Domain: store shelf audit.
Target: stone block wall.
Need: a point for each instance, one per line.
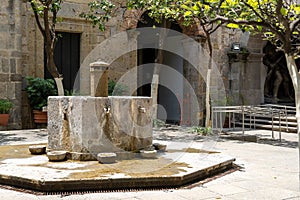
(11, 58)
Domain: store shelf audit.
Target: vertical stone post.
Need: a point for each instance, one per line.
(99, 79)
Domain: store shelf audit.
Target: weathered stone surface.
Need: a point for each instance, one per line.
(160, 147)
(37, 149)
(81, 156)
(56, 155)
(99, 124)
(107, 158)
(148, 153)
(125, 155)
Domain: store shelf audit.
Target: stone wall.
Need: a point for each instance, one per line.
(11, 57)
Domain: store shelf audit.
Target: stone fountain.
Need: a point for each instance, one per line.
(85, 126)
(107, 129)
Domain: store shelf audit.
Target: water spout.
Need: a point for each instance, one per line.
(107, 110)
(142, 109)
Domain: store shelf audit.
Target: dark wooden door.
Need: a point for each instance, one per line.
(67, 58)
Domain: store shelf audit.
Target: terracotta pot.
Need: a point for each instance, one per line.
(40, 117)
(4, 119)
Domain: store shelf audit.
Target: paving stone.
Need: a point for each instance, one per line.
(261, 162)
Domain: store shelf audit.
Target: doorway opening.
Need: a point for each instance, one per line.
(67, 58)
(169, 105)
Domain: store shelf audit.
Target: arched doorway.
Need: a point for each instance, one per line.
(278, 84)
(169, 108)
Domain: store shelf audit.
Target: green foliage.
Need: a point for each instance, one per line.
(99, 13)
(5, 106)
(157, 123)
(202, 130)
(38, 91)
(71, 93)
(39, 7)
(278, 20)
(116, 89)
(157, 9)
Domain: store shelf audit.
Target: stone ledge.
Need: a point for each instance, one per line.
(172, 169)
(246, 138)
(109, 183)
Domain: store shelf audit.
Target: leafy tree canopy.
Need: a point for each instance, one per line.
(278, 20)
(99, 13)
(157, 9)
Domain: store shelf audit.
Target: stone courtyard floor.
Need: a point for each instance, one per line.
(268, 168)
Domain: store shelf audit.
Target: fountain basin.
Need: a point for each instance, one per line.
(91, 125)
(172, 169)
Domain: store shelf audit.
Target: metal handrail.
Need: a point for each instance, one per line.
(270, 110)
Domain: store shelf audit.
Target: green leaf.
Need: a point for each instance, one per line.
(186, 7)
(231, 25)
(188, 13)
(284, 11)
(259, 28)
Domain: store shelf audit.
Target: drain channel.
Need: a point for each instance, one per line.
(198, 183)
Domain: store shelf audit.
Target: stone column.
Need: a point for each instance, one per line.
(99, 79)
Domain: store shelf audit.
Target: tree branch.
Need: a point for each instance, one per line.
(295, 24)
(37, 18)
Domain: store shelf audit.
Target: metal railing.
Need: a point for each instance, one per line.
(238, 113)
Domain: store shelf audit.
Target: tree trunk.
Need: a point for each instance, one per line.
(207, 95)
(48, 32)
(295, 76)
(155, 82)
(51, 66)
(59, 85)
(159, 60)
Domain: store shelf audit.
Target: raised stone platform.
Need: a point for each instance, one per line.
(179, 165)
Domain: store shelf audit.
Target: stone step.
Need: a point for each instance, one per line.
(289, 118)
(283, 122)
(267, 127)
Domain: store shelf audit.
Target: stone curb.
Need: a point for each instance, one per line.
(174, 181)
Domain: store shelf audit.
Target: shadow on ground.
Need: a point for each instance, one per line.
(6, 138)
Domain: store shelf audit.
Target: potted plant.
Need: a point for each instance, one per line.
(5, 107)
(38, 91)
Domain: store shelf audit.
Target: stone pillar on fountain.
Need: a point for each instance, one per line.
(99, 79)
(85, 126)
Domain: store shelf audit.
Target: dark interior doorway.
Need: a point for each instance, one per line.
(67, 58)
(169, 109)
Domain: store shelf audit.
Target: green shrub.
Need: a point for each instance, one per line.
(116, 89)
(5, 106)
(38, 91)
(157, 123)
(201, 130)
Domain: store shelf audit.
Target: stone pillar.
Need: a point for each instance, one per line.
(99, 79)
